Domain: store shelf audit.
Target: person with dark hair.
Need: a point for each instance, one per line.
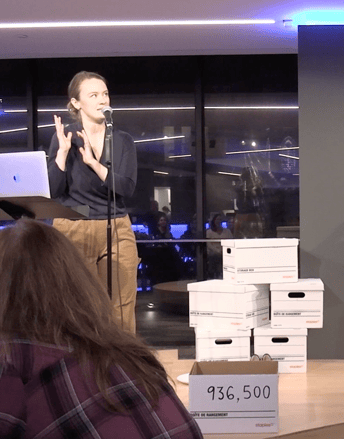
(188, 250)
(151, 217)
(162, 227)
(67, 369)
(163, 262)
(78, 175)
(214, 249)
(167, 212)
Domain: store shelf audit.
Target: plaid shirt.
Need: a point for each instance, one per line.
(44, 394)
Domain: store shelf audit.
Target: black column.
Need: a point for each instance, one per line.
(200, 168)
(31, 98)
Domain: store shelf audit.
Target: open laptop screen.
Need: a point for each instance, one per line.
(24, 174)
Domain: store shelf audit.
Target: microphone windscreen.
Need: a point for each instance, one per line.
(107, 110)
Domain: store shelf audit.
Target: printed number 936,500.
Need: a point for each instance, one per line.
(229, 393)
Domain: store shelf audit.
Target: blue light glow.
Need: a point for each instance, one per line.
(140, 228)
(178, 229)
(320, 17)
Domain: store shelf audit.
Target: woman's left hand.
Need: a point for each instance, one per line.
(89, 158)
(86, 151)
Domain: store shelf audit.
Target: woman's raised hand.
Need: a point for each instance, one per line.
(86, 151)
(65, 142)
(89, 158)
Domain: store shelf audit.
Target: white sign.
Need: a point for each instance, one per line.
(235, 403)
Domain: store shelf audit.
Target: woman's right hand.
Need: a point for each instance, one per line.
(65, 143)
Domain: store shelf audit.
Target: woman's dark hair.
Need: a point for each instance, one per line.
(48, 295)
(74, 89)
(212, 222)
(162, 215)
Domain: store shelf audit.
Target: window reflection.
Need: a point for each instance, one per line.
(13, 106)
(13, 124)
(252, 161)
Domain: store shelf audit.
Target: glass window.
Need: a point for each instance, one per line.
(252, 151)
(13, 106)
(164, 201)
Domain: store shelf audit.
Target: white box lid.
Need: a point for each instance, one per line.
(230, 332)
(259, 242)
(223, 286)
(300, 285)
(267, 330)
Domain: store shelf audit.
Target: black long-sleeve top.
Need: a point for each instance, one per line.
(80, 185)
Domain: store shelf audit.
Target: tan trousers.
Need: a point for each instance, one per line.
(90, 238)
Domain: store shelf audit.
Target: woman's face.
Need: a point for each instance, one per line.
(162, 222)
(93, 96)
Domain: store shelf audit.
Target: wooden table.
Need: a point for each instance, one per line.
(306, 401)
(173, 296)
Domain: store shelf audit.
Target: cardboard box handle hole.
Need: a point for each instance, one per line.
(280, 340)
(296, 295)
(224, 341)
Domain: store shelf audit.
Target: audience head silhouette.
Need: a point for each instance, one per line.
(48, 295)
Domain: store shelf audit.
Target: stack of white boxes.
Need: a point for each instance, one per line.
(295, 308)
(223, 312)
(223, 315)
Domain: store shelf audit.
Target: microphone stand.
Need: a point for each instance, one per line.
(108, 145)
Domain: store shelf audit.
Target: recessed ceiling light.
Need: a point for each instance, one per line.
(155, 139)
(253, 107)
(179, 156)
(229, 173)
(262, 150)
(59, 24)
(289, 156)
(15, 130)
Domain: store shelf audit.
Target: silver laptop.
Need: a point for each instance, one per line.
(24, 174)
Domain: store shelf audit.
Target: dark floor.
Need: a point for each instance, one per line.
(164, 329)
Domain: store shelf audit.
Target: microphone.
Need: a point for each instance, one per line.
(107, 111)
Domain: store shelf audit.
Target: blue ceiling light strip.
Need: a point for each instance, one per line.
(319, 17)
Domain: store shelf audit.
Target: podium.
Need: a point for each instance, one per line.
(38, 207)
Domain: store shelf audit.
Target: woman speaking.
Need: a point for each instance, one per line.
(78, 175)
